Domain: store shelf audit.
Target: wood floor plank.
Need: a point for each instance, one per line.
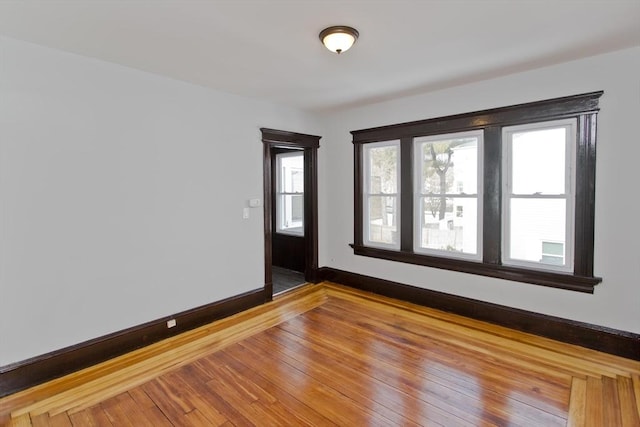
(246, 397)
(153, 417)
(140, 415)
(428, 340)
(165, 390)
(99, 416)
(255, 410)
(41, 420)
(635, 379)
(289, 401)
(60, 420)
(91, 385)
(82, 418)
(197, 418)
(182, 383)
(395, 392)
(628, 408)
(446, 394)
(22, 421)
(594, 414)
(577, 405)
(610, 402)
(487, 343)
(141, 398)
(426, 333)
(115, 413)
(171, 403)
(239, 391)
(362, 389)
(626, 365)
(325, 355)
(465, 369)
(337, 407)
(212, 400)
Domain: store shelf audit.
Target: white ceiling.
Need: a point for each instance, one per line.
(270, 49)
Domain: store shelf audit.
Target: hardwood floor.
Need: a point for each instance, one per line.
(326, 355)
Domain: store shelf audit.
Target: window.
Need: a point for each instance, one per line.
(447, 219)
(381, 181)
(290, 193)
(507, 192)
(538, 193)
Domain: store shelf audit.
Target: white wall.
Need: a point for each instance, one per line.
(616, 300)
(121, 197)
(121, 194)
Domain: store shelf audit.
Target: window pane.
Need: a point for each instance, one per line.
(296, 204)
(552, 253)
(292, 173)
(532, 222)
(290, 179)
(449, 166)
(552, 248)
(449, 224)
(538, 161)
(383, 169)
(291, 213)
(553, 260)
(383, 220)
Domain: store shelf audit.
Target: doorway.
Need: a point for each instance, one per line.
(290, 209)
(288, 239)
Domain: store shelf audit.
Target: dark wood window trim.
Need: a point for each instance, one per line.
(583, 108)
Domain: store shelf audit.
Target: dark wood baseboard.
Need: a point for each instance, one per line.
(608, 340)
(22, 375)
(27, 373)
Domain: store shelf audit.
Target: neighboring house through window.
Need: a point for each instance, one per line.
(538, 194)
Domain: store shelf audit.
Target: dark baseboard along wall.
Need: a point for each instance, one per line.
(31, 372)
(28, 373)
(608, 340)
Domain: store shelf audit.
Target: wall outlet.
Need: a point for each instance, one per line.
(171, 323)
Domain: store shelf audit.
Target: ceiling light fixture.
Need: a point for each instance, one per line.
(339, 38)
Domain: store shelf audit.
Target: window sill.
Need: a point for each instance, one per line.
(517, 274)
(289, 234)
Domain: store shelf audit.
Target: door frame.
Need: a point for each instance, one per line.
(309, 144)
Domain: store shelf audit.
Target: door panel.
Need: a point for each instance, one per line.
(288, 252)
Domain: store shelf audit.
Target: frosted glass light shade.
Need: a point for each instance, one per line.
(338, 39)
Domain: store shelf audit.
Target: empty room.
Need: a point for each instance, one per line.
(319, 213)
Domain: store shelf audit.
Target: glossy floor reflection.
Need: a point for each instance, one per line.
(327, 355)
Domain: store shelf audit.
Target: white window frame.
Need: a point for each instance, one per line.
(417, 195)
(279, 193)
(569, 195)
(366, 185)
